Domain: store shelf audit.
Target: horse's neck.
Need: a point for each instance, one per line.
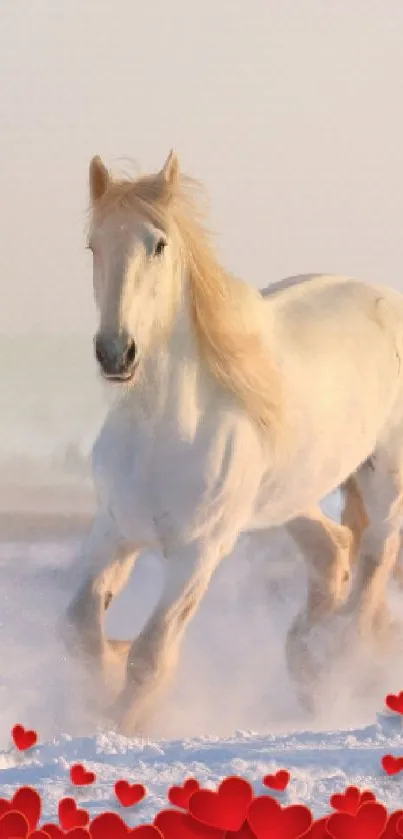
(175, 383)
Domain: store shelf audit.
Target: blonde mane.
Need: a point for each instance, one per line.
(226, 312)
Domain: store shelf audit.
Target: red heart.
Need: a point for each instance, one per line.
(347, 801)
(28, 802)
(110, 826)
(38, 834)
(394, 702)
(244, 833)
(23, 738)
(70, 816)
(318, 830)
(80, 777)
(176, 825)
(53, 831)
(13, 825)
(129, 794)
(367, 795)
(351, 799)
(5, 806)
(225, 809)
(269, 820)
(179, 796)
(278, 781)
(392, 765)
(368, 823)
(391, 829)
(107, 825)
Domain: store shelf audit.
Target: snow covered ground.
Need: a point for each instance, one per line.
(232, 709)
(320, 764)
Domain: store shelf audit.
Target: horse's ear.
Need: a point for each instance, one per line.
(170, 171)
(99, 179)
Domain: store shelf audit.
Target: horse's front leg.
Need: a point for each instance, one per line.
(154, 654)
(104, 570)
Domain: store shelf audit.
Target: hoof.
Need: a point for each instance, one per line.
(123, 721)
(307, 698)
(311, 651)
(131, 711)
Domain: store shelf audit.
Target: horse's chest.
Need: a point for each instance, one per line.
(178, 483)
(154, 483)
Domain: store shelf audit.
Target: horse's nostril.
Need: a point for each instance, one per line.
(99, 353)
(131, 353)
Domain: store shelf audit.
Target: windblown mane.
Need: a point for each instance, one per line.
(227, 313)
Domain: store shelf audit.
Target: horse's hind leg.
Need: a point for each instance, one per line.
(381, 487)
(354, 516)
(326, 547)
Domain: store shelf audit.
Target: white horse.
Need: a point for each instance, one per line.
(236, 410)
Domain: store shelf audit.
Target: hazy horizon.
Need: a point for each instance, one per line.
(288, 112)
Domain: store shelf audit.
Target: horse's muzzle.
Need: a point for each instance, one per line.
(116, 356)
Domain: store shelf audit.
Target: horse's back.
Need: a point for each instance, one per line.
(339, 345)
(291, 282)
(326, 299)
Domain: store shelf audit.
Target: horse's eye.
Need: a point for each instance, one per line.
(160, 246)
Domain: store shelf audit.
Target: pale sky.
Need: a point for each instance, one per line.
(290, 112)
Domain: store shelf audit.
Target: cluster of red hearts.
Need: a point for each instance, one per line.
(232, 811)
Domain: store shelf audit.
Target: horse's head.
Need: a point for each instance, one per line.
(152, 252)
(135, 261)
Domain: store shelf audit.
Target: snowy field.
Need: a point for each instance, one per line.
(232, 709)
(320, 764)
